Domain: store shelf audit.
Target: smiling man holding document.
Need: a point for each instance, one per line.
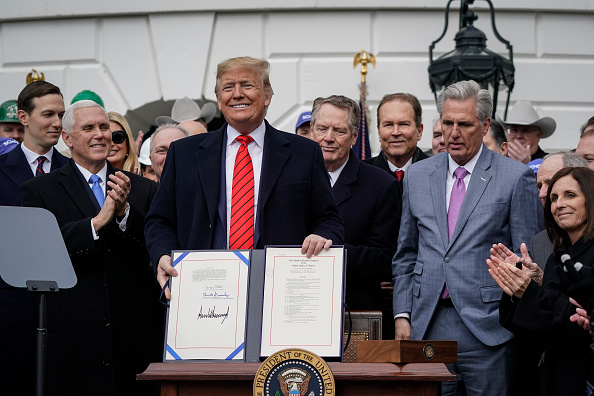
(243, 186)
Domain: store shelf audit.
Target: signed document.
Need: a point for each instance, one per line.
(302, 305)
(207, 312)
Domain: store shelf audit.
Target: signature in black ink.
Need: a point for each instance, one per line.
(211, 314)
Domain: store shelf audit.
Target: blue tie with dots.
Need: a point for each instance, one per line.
(97, 190)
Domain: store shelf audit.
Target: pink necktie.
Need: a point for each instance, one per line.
(456, 198)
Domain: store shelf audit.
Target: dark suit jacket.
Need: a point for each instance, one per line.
(382, 162)
(14, 171)
(294, 199)
(102, 331)
(369, 203)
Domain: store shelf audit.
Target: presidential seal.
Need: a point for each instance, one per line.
(429, 351)
(294, 372)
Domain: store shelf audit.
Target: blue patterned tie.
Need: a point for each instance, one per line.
(39, 170)
(97, 190)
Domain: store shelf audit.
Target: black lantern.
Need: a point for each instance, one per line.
(471, 60)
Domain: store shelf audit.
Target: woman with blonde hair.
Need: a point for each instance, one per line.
(123, 151)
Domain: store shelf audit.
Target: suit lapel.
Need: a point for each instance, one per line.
(341, 190)
(476, 187)
(274, 158)
(208, 161)
(17, 168)
(58, 160)
(72, 182)
(437, 183)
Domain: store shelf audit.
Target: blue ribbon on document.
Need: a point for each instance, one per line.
(180, 258)
(245, 260)
(172, 353)
(235, 352)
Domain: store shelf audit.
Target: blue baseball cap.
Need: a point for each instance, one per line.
(303, 118)
(535, 164)
(7, 144)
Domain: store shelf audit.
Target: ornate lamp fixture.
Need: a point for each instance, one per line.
(471, 60)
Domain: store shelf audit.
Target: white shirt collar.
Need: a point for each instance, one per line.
(257, 134)
(394, 168)
(32, 157)
(469, 166)
(334, 175)
(102, 173)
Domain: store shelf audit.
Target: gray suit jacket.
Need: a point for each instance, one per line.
(500, 205)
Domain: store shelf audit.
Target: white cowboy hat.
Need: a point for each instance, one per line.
(523, 113)
(185, 109)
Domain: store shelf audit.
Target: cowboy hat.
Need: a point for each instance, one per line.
(185, 109)
(523, 113)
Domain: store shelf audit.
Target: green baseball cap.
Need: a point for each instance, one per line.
(88, 95)
(8, 112)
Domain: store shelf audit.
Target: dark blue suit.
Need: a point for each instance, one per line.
(294, 199)
(15, 170)
(370, 204)
(17, 307)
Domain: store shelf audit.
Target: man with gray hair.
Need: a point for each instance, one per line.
(368, 201)
(160, 141)
(585, 147)
(467, 200)
(108, 314)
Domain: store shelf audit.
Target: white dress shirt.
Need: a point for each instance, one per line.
(32, 159)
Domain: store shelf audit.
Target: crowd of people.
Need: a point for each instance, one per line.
(450, 244)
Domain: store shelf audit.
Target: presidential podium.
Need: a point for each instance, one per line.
(352, 379)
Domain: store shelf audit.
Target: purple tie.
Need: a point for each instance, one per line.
(456, 198)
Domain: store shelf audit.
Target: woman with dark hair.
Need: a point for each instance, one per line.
(539, 312)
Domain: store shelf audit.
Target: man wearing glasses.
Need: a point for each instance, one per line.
(524, 130)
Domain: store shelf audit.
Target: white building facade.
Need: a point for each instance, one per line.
(138, 53)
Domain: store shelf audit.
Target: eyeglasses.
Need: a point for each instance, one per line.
(118, 137)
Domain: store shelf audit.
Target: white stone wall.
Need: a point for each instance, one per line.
(136, 52)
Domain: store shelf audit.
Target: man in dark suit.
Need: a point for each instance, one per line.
(287, 198)
(40, 110)
(455, 206)
(102, 331)
(399, 125)
(368, 202)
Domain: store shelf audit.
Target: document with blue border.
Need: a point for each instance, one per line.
(302, 304)
(207, 312)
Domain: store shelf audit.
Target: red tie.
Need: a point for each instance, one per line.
(39, 171)
(399, 174)
(241, 230)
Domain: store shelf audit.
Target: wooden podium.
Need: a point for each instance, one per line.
(352, 379)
